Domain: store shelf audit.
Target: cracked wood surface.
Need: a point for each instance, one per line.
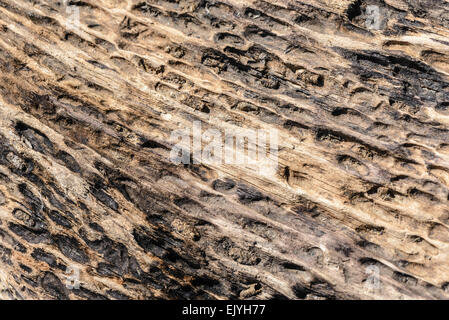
(86, 115)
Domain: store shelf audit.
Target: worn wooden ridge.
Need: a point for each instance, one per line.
(86, 182)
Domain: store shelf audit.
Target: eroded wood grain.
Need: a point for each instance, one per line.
(86, 180)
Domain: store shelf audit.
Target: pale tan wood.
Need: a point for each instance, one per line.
(86, 117)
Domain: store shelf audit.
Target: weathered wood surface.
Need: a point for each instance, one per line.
(85, 175)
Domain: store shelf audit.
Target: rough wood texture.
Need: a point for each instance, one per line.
(85, 120)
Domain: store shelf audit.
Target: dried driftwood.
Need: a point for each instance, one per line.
(87, 108)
